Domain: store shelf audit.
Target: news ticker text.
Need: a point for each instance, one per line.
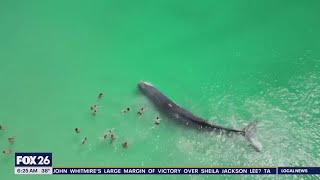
(167, 170)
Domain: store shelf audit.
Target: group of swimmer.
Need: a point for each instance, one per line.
(10, 139)
(157, 121)
(94, 109)
(110, 133)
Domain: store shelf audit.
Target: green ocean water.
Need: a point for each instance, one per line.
(227, 61)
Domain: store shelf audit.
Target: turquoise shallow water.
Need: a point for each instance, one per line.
(228, 62)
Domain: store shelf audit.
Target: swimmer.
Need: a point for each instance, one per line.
(8, 151)
(126, 110)
(106, 134)
(11, 139)
(112, 138)
(77, 130)
(100, 95)
(94, 107)
(141, 111)
(1, 127)
(110, 131)
(157, 122)
(125, 144)
(103, 137)
(84, 140)
(94, 112)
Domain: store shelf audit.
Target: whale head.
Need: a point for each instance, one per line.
(144, 86)
(148, 89)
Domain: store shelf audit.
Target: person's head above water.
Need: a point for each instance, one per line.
(125, 144)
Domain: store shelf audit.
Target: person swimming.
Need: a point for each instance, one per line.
(94, 107)
(106, 134)
(1, 127)
(157, 122)
(125, 144)
(110, 131)
(11, 139)
(141, 111)
(8, 151)
(84, 140)
(126, 110)
(112, 138)
(94, 112)
(77, 130)
(100, 95)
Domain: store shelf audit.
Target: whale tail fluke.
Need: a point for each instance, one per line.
(250, 135)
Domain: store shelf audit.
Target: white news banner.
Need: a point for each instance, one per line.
(33, 170)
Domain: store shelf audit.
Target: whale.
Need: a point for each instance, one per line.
(182, 115)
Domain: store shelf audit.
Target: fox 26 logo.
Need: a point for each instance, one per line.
(33, 159)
